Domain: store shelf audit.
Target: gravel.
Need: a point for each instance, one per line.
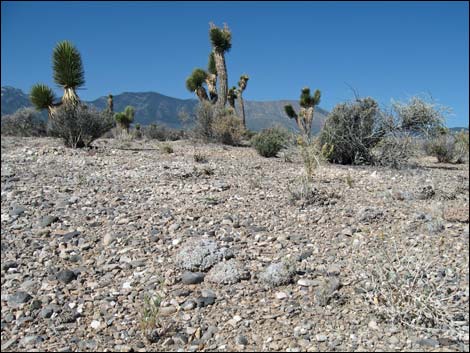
(127, 222)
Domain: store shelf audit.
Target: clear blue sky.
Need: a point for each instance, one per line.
(385, 50)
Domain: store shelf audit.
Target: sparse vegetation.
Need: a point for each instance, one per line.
(199, 157)
(24, 122)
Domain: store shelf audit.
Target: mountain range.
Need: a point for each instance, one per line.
(153, 107)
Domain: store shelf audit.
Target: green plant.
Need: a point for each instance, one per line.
(149, 316)
(125, 118)
(68, 70)
(270, 141)
(304, 119)
(195, 82)
(349, 180)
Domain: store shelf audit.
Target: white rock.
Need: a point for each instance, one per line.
(95, 324)
(281, 295)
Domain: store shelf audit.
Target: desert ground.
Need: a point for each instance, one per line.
(87, 236)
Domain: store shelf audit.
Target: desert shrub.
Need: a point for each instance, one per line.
(403, 287)
(270, 141)
(24, 122)
(352, 129)
(199, 157)
(161, 133)
(166, 148)
(395, 150)
(448, 148)
(79, 126)
(228, 129)
(420, 116)
(205, 116)
(249, 134)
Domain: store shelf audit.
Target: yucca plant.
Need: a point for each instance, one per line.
(68, 70)
(221, 40)
(241, 87)
(124, 119)
(304, 119)
(42, 97)
(195, 83)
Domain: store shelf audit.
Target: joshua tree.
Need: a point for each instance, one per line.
(307, 108)
(110, 103)
(68, 70)
(241, 87)
(221, 40)
(211, 79)
(194, 83)
(231, 96)
(42, 98)
(124, 119)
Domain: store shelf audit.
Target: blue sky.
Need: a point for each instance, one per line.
(384, 50)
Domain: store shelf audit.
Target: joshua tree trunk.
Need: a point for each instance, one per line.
(211, 82)
(222, 73)
(110, 104)
(202, 94)
(70, 96)
(242, 108)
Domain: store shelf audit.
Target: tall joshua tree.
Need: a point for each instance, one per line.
(307, 108)
(241, 87)
(68, 71)
(195, 82)
(110, 103)
(221, 40)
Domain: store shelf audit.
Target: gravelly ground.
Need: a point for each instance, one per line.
(88, 234)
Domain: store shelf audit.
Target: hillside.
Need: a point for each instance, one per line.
(153, 107)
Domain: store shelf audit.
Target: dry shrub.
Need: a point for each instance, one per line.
(24, 122)
(79, 126)
(228, 129)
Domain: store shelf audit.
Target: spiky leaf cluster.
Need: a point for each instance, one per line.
(41, 96)
(232, 95)
(211, 67)
(67, 66)
(221, 39)
(196, 80)
(306, 100)
(289, 109)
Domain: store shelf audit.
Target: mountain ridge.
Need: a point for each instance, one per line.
(154, 107)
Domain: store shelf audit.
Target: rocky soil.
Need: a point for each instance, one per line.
(114, 249)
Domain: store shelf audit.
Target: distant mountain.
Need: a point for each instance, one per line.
(458, 129)
(13, 99)
(152, 107)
